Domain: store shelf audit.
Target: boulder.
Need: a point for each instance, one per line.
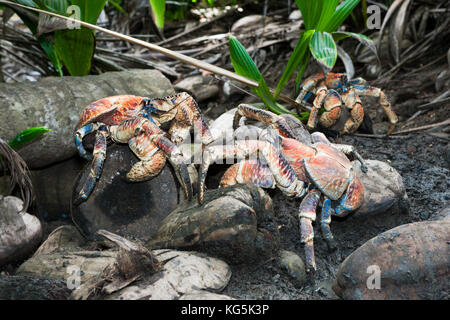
(294, 266)
(200, 87)
(20, 232)
(235, 224)
(26, 288)
(56, 103)
(408, 262)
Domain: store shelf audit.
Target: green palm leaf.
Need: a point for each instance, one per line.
(323, 49)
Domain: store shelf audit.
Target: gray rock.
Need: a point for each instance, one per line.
(64, 238)
(408, 262)
(200, 87)
(204, 295)
(185, 272)
(443, 215)
(293, 265)
(127, 209)
(384, 191)
(56, 103)
(235, 224)
(20, 232)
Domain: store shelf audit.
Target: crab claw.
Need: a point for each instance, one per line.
(182, 173)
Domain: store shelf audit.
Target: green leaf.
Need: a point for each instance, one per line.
(328, 9)
(117, 6)
(90, 10)
(27, 136)
(341, 13)
(301, 69)
(241, 60)
(75, 48)
(323, 48)
(158, 10)
(51, 53)
(295, 59)
(311, 11)
(365, 40)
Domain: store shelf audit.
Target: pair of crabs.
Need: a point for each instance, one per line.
(319, 173)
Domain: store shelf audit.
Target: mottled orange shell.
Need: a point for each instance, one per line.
(330, 171)
(111, 110)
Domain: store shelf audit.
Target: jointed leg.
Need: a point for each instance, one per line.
(99, 156)
(352, 102)
(307, 214)
(308, 86)
(376, 92)
(267, 117)
(249, 172)
(79, 135)
(332, 105)
(325, 221)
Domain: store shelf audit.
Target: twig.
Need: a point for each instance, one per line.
(378, 136)
(429, 126)
(434, 104)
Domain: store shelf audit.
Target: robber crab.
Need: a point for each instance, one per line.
(319, 172)
(136, 120)
(334, 89)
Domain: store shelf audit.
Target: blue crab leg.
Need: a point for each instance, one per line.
(307, 214)
(99, 156)
(266, 117)
(325, 220)
(79, 134)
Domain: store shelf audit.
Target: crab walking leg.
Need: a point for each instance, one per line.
(152, 159)
(378, 93)
(308, 86)
(325, 220)
(307, 214)
(321, 93)
(280, 168)
(248, 172)
(332, 105)
(353, 102)
(141, 127)
(79, 135)
(266, 117)
(99, 156)
(185, 113)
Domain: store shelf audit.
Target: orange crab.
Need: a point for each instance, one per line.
(319, 172)
(333, 90)
(136, 120)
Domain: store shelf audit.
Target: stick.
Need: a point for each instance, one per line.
(429, 126)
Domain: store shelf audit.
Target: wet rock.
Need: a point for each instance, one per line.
(26, 288)
(384, 191)
(183, 273)
(129, 209)
(294, 266)
(20, 232)
(204, 295)
(200, 87)
(235, 224)
(412, 261)
(295, 15)
(53, 188)
(57, 103)
(66, 238)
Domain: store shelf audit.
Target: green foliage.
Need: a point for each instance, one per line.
(322, 20)
(27, 136)
(158, 10)
(72, 48)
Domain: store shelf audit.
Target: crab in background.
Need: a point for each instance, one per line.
(136, 120)
(317, 173)
(333, 91)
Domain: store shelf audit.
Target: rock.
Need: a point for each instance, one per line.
(293, 265)
(204, 295)
(184, 272)
(235, 224)
(200, 87)
(127, 209)
(64, 264)
(412, 261)
(53, 188)
(56, 103)
(20, 232)
(65, 238)
(26, 288)
(443, 215)
(384, 191)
